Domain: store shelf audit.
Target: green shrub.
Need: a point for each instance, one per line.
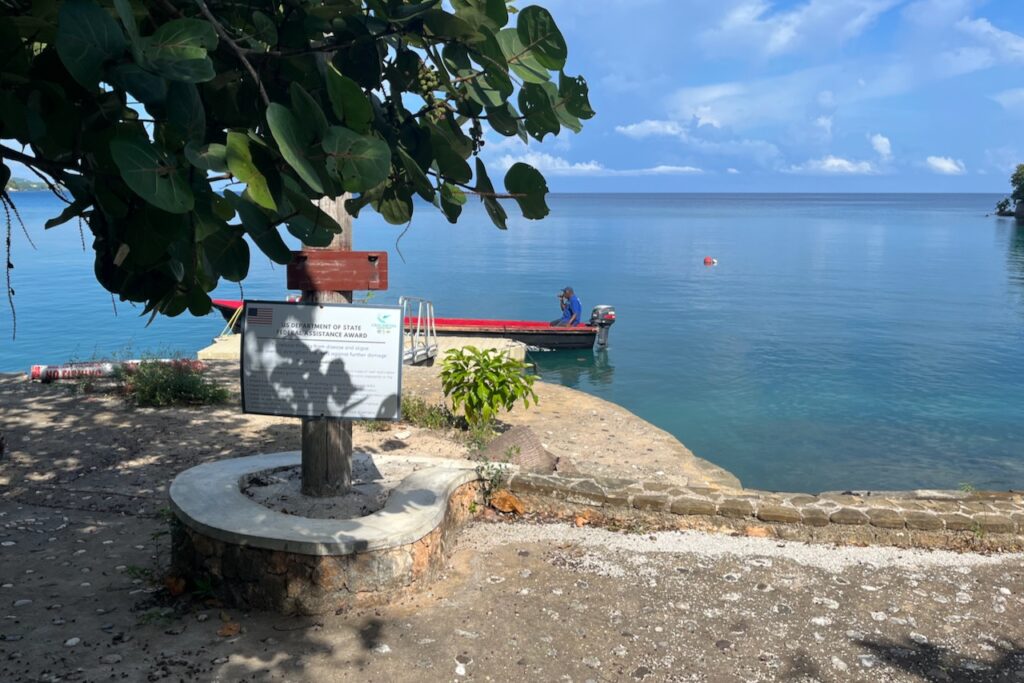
(419, 413)
(484, 382)
(159, 384)
(376, 425)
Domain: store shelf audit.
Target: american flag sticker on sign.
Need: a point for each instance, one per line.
(259, 315)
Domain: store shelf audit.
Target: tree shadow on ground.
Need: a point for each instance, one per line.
(95, 470)
(937, 663)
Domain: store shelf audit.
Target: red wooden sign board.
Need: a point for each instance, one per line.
(338, 271)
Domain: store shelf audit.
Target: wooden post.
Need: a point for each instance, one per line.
(327, 442)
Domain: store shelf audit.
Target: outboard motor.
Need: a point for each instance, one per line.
(602, 317)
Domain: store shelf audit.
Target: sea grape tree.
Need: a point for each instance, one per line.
(174, 128)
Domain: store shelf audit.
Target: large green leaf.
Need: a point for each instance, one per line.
(575, 94)
(485, 188)
(404, 13)
(504, 119)
(308, 111)
(185, 111)
(394, 205)
(485, 90)
(263, 233)
(127, 15)
(522, 60)
(266, 29)
(444, 25)
(148, 88)
(151, 175)
(348, 101)
(417, 178)
(491, 14)
(178, 50)
(452, 200)
(536, 105)
(228, 253)
(180, 39)
(293, 141)
(212, 157)
(539, 33)
(529, 188)
(87, 38)
(362, 161)
(239, 161)
(310, 224)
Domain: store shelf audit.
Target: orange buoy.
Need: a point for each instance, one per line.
(708, 261)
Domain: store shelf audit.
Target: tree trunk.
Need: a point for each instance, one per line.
(327, 442)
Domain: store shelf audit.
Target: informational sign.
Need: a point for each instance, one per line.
(322, 360)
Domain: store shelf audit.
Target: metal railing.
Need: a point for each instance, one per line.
(419, 342)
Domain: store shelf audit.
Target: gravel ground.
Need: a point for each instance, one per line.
(82, 600)
(84, 547)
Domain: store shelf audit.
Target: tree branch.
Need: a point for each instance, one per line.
(234, 46)
(53, 167)
(472, 190)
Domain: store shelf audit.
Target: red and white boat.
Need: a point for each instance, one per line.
(541, 335)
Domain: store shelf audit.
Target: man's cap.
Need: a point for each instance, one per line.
(566, 289)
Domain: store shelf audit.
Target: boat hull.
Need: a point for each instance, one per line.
(536, 334)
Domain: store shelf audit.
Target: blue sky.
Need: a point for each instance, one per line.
(815, 95)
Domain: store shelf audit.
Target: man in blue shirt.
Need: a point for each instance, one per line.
(572, 309)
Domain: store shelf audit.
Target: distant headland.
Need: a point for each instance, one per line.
(23, 185)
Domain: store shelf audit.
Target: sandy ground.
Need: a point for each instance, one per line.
(84, 545)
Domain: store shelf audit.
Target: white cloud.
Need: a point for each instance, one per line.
(762, 152)
(881, 144)
(1006, 46)
(938, 14)
(649, 128)
(1011, 100)
(557, 166)
(732, 171)
(815, 23)
(833, 165)
(825, 123)
(946, 165)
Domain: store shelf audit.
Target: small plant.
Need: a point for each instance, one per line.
(484, 382)
(137, 572)
(967, 487)
(478, 436)
(419, 413)
(204, 588)
(159, 384)
(377, 425)
(158, 615)
(494, 475)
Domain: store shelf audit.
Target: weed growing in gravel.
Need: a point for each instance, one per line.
(494, 475)
(376, 425)
(419, 413)
(160, 384)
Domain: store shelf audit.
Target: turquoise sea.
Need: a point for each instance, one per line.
(842, 341)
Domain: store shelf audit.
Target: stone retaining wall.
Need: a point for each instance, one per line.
(295, 583)
(947, 519)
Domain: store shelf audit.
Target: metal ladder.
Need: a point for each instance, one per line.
(419, 340)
